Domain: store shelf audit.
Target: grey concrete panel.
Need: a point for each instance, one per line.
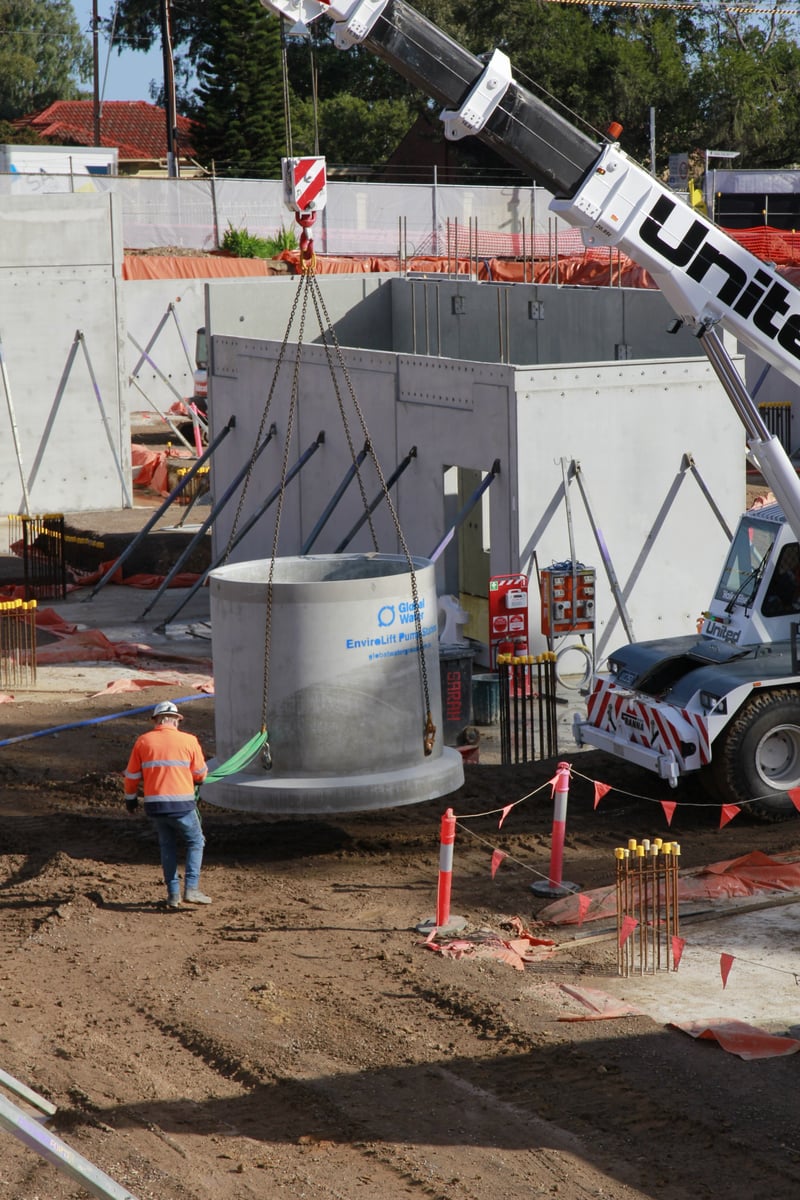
(169, 311)
(459, 414)
(532, 324)
(629, 426)
(59, 263)
(244, 373)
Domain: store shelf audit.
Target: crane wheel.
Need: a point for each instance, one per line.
(756, 760)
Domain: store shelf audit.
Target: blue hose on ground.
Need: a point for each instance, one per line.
(130, 712)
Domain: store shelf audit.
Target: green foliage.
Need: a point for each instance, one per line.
(351, 129)
(11, 135)
(284, 239)
(715, 77)
(240, 93)
(42, 50)
(242, 244)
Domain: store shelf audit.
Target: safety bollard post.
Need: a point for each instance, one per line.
(444, 922)
(555, 886)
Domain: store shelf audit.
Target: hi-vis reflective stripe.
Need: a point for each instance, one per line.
(657, 727)
(309, 180)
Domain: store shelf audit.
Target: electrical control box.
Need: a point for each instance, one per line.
(508, 615)
(568, 598)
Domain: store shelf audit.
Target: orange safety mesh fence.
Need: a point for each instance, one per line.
(559, 257)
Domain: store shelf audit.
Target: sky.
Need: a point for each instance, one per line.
(123, 76)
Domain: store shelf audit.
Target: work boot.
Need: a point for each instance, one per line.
(195, 896)
(173, 901)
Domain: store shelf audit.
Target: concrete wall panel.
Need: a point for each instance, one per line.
(244, 372)
(629, 426)
(59, 281)
(527, 323)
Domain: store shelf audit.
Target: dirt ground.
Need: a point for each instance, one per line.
(297, 1038)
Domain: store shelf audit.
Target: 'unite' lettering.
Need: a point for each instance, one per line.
(758, 298)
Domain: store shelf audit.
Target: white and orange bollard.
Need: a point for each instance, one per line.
(444, 922)
(555, 885)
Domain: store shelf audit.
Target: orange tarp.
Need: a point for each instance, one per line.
(753, 874)
(591, 268)
(210, 266)
(737, 1037)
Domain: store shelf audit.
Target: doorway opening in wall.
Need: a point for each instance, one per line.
(468, 554)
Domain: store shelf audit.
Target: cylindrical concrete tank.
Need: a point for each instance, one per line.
(346, 711)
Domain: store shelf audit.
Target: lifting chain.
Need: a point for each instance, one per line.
(310, 287)
(326, 329)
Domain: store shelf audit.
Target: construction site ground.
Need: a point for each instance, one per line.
(298, 1039)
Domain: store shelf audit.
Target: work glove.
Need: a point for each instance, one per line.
(131, 803)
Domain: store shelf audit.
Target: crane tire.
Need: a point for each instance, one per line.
(759, 750)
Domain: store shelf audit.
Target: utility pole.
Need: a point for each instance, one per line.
(169, 92)
(95, 74)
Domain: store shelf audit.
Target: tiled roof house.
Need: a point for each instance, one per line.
(136, 128)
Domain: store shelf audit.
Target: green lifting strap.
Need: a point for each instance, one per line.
(241, 759)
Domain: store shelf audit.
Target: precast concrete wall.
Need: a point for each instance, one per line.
(435, 413)
(64, 442)
(532, 323)
(628, 424)
(163, 315)
(630, 427)
(451, 318)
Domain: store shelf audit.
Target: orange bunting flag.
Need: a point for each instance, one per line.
(584, 903)
(725, 964)
(794, 796)
(677, 951)
(669, 807)
(729, 811)
(626, 929)
(504, 814)
(600, 790)
(497, 858)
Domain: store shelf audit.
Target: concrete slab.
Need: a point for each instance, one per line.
(762, 987)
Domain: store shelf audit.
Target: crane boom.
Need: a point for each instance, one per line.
(706, 277)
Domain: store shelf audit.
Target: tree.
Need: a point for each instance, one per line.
(42, 52)
(241, 129)
(750, 97)
(713, 75)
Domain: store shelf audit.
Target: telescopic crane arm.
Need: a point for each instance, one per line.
(706, 277)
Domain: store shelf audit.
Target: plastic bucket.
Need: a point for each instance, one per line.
(455, 665)
(485, 699)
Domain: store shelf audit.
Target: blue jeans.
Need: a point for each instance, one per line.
(185, 827)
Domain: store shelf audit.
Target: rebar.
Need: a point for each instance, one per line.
(646, 888)
(17, 643)
(527, 713)
(40, 540)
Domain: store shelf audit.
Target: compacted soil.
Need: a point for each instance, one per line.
(297, 1038)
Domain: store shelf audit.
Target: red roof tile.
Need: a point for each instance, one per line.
(136, 128)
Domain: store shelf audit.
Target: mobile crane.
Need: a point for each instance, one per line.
(725, 701)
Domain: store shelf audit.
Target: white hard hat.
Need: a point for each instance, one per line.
(166, 709)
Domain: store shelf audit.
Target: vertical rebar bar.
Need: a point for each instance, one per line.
(667, 860)
(540, 685)
(619, 858)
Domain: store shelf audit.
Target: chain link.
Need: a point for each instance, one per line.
(308, 286)
(319, 304)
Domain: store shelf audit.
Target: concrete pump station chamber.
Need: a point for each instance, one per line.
(346, 711)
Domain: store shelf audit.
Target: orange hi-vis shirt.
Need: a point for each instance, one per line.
(166, 764)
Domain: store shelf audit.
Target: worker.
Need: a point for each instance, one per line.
(168, 765)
